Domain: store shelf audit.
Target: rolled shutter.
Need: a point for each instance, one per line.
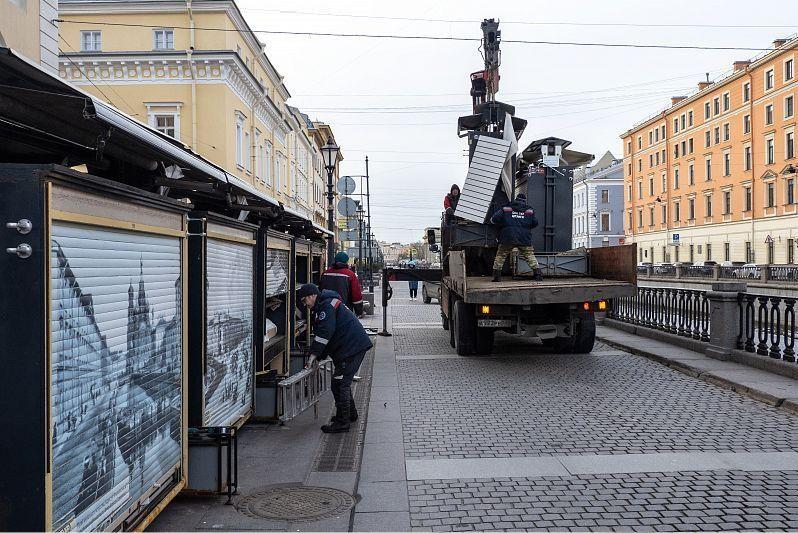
(228, 370)
(116, 370)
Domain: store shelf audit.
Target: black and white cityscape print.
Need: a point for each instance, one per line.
(229, 370)
(116, 341)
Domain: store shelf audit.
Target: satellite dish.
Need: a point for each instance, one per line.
(347, 207)
(346, 185)
(351, 223)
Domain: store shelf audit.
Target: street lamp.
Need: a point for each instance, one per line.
(360, 217)
(330, 155)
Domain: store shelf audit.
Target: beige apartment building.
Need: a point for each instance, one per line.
(196, 71)
(713, 177)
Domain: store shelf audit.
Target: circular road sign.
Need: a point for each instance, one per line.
(351, 223)
(347, 207)
(346, 185)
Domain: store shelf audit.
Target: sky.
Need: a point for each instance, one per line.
(397, 101)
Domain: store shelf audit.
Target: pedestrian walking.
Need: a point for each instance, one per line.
(516, 221)
(338, 335)
(413, 284)
(341, 279)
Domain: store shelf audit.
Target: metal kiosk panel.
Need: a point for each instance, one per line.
(95, 378)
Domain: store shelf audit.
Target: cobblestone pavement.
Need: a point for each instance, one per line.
(524, 402)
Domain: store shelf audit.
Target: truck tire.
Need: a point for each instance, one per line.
(464, 324)
(484, 340)
(585, 335)
(445, 322)
(427, 299)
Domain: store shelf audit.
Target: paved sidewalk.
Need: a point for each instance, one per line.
(773, 389)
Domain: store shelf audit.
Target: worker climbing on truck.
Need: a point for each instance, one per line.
(516, 220)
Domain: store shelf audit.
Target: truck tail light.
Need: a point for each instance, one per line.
(485, 309)
(602, 305)
(586, 306)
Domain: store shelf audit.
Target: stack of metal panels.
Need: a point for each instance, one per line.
(484, 174)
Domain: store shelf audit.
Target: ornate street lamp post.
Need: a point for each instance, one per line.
(330, 155)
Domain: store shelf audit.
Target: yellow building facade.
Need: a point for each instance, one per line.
(196, 71)
(716, 172)
(28, 27)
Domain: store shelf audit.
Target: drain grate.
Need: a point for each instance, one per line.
(340, 452)
(296, 504)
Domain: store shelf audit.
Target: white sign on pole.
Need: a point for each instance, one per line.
(346, 185)
(347, 207)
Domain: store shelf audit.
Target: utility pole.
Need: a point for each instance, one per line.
(368, 228)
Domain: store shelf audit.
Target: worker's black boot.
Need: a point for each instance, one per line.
(537, 275)
(497, 275)
(340, 422)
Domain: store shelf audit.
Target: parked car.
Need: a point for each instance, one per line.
(662, 268)
(705, 263)
(732, 263)
(430, 290)
(748, 270)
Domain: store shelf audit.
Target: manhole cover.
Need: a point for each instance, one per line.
(296, 504)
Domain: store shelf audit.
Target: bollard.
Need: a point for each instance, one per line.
(724, 319)
(387, 292)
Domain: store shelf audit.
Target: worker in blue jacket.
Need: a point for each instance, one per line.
(339, 335)
(516, 221)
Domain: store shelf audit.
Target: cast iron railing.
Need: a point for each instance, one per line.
(683, 312)
(766, 325)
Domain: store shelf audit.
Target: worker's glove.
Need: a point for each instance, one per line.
(449, 211)
(312, 362)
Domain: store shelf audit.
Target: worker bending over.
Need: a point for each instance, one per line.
(341, 279)
(339, 335)
(516, 221)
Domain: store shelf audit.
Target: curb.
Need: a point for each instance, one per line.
(789, 405)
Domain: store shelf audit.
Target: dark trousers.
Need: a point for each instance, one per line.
(341, 386)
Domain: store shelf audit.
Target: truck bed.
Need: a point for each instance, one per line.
(481, 290)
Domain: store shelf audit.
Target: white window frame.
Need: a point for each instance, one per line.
(240, 118)
(726, 101)
(770, 149)
(160, 109)
(167, 33)
(772, 71)
(267, 162)
(247, 152)
(768, 109)
(746, 91)
(748, 155)
(677, 210)
(791, 62)
(787, 133)
(258, 155)
(727, 162)
(676, 177)
(95, 40)
(791, 99)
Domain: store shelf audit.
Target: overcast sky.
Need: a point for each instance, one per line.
(588, 95)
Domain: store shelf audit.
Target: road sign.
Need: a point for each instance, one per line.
(351, 235)
(675, 241)
(352, 223)
(768, 240)
(347, 207)
(346, 185)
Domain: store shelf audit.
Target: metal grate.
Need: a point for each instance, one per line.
(296, 504)
(340, 452)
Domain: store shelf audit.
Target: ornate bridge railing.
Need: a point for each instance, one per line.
(766, 325)
(683, 312)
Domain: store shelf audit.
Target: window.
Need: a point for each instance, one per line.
(664, 182)
(747, 157)
(629, 147)
(675, 124)
(747, 124)
(664, 214)
(657, 158)
(726, 202)
(630, 221)
(163, 39)
(656, 134)
(675, 178)
(639, 190)
(708, 138)
(716, 105)
(788, 70)
(708, 168)
(789, 107)
(771, 253)
(708, 205)
(605, 222)
(605, 196)
(727, 164)
(651, 185)
(726, 101)
(166, 124)
(789, 145)
(662, 129)
(749, 252)
(790, 191)
(267, 163)
(676, 151)
(770, 194)
(769, 79)
(651, 137)
(692, 253)
(709, 252)
(707, 110)
(90, 41)
(690, 118)
(769, 114)
(684, 147)
(691, 209)
(258, 155)
(651, 160)
(717, 134)
(690, 145)
(746, 91)
(676, 211)
(629, 191)
(240, 142)
(629, 169)
(683, 119)
(639, 218)
(639, 142)
(747, 198)
(650, 216)
(726, 132)
(247, 153)
(639, 165)
(769, 152)
(691, 174)
(790, 251)
(726, 251)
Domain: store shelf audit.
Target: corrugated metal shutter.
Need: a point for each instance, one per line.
(276, 272)
(116, 339)
(228, 363)
(484, 173)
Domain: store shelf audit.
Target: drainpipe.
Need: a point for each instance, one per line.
(753, 162)
(192, 69)
(667, 200)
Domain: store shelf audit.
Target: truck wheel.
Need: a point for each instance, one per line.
(450, 327)
(464, 326)
(484, 340)
(585, 335)
(427, 299)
